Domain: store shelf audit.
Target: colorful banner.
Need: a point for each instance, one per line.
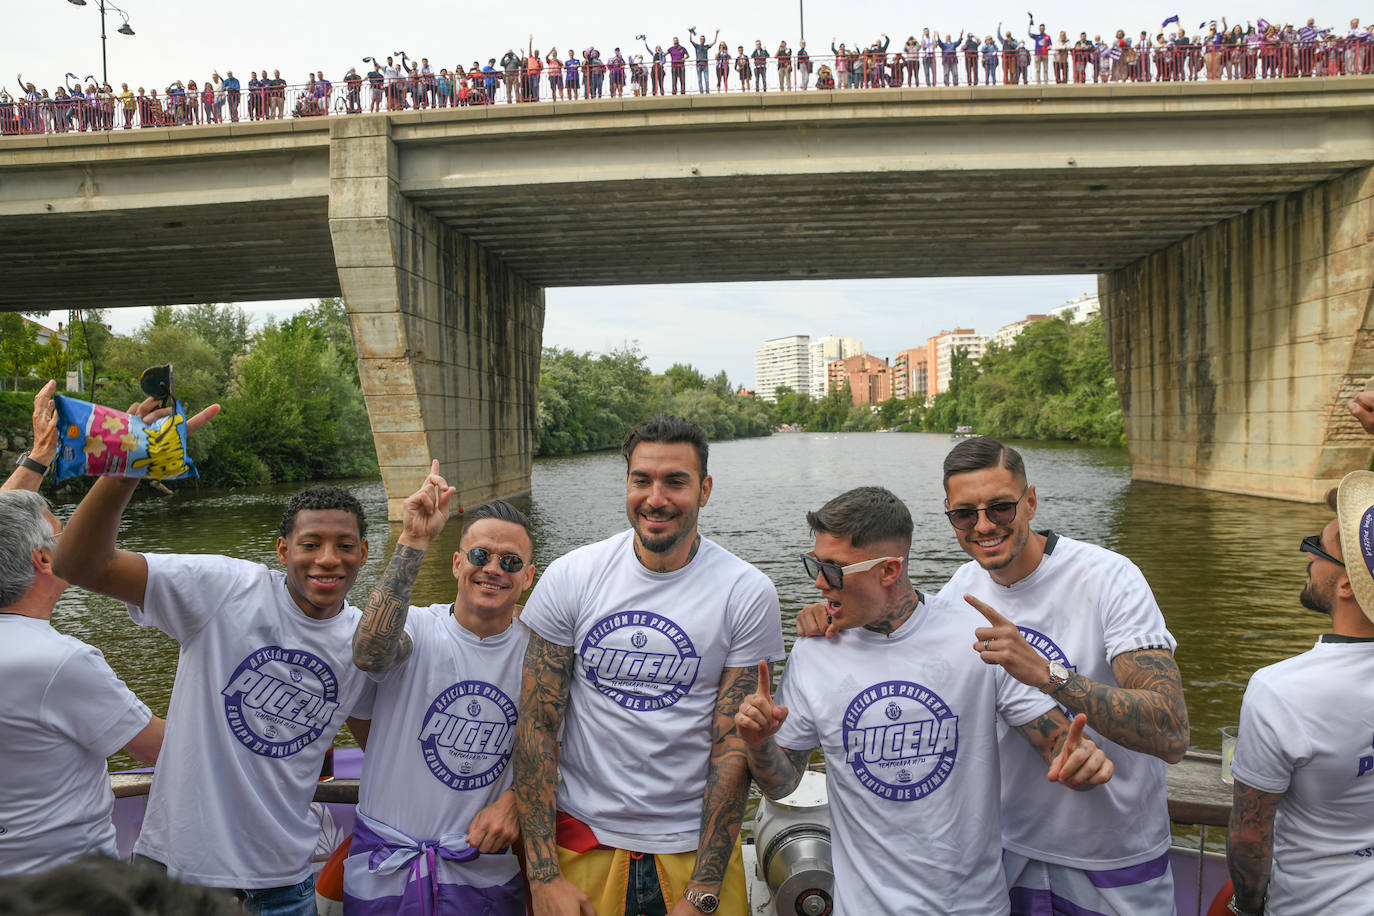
(101, 442)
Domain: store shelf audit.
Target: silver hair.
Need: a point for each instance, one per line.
(23, 529)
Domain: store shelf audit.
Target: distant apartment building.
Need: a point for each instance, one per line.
(823, 352)
(782, 361)
(1007, 333)
(943, 346)
(911, 373)
(869, 378)
(1081, 309)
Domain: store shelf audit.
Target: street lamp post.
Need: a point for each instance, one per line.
(123, 30)
(801, 15)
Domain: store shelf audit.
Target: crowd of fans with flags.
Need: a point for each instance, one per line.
(1215, 50)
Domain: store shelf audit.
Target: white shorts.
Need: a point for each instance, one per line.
(1044, 889)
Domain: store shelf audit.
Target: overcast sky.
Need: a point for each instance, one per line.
(714, 326)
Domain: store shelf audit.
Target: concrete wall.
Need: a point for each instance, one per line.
(1237, 349)
(448, 338)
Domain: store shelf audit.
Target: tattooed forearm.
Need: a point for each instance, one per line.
(380, 642)
(895, 616)
(1250, 844)
(543, 700)
(1147, 713)
(727, 782)
(777, 770)
(1046, 733)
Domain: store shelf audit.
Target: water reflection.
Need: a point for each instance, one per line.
(1224, 568)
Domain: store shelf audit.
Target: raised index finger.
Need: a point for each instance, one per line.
(765, 680)
(1075, 737)
(986, 610)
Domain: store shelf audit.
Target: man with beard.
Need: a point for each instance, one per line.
(1299, 839)
(649, 640)
(1078, 622)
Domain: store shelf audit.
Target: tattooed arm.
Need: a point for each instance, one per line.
(1145, 713)
(380, 642)
(1250, 844)
(776, 769)
(544, 689)
(1075, 761)
(727, 787)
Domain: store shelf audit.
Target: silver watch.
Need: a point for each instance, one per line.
(1059, 676)
(707, 903)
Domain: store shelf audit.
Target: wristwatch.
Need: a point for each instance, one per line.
(1059, 676)
(707, 903)
(24, 461)
(1234, 908)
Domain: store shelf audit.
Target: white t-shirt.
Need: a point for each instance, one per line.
(909, 727)
(260, 691)
(1083, 605)
(650, 648)
(64, 712)
(1307, 732)
(439, 749)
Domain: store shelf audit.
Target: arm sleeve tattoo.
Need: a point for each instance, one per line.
(727, 781)
(777, 770)
(381, 643)
(1046, 733)
(1250, 844)
(1147, 713)
(543, 700)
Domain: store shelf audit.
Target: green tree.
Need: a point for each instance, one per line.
(19, 350)
(684, 377)
(89, 342)
(224, 328)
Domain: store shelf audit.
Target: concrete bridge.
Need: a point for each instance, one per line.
(1231, 226)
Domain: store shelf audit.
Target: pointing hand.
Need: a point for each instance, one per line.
(758, 719)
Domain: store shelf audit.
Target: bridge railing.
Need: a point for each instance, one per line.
(987, 66)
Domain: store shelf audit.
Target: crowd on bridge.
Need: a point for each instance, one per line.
(1215, 50)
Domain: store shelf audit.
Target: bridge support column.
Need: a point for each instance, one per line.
(1236, 350)
(448, 338)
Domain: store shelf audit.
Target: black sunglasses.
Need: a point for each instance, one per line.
(834, 575)
(998, 513)
(1313, 544)
(510, 562)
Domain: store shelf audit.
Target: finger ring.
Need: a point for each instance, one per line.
(987, 644)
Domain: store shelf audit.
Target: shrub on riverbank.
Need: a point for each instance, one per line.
(589, 402)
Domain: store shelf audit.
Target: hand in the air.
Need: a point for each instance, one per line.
(758, 719)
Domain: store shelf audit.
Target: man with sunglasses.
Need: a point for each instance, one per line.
(908, 725)
(436, 780)
(1087, 632)
(1299, 840)
(648, 640)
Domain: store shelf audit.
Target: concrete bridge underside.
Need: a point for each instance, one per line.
(1216, 216)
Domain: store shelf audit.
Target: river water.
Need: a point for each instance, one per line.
(1225, 569)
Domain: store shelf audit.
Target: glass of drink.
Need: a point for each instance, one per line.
(1228, 750)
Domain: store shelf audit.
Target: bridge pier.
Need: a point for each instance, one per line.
(1236, 349)
(448, 337)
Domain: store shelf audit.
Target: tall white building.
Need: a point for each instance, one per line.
(1006, 335)
(945, 346)
(782, 361)
(824, 352)
(1080, 309)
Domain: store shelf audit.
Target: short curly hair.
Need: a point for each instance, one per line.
(321, 498)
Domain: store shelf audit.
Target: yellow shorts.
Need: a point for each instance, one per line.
(604, 876)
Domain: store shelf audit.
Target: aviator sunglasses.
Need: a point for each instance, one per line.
(510, 562)
(998, 513)
(834, 575)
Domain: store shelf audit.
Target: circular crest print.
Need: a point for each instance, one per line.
(467, 735)
(901, 740)
(280, 700)
(640, 659)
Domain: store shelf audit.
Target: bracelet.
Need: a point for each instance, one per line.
(1239, 912)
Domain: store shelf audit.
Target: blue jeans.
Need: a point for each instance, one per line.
(296, 900)
(644, 892)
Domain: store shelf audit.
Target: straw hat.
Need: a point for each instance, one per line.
(1355, 511)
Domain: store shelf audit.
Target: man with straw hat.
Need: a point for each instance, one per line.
(1301, 839)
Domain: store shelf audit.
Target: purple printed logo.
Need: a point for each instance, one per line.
(280, 700)
(640, 659)
(1367, 539)
(466, 739)
(901, 740)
